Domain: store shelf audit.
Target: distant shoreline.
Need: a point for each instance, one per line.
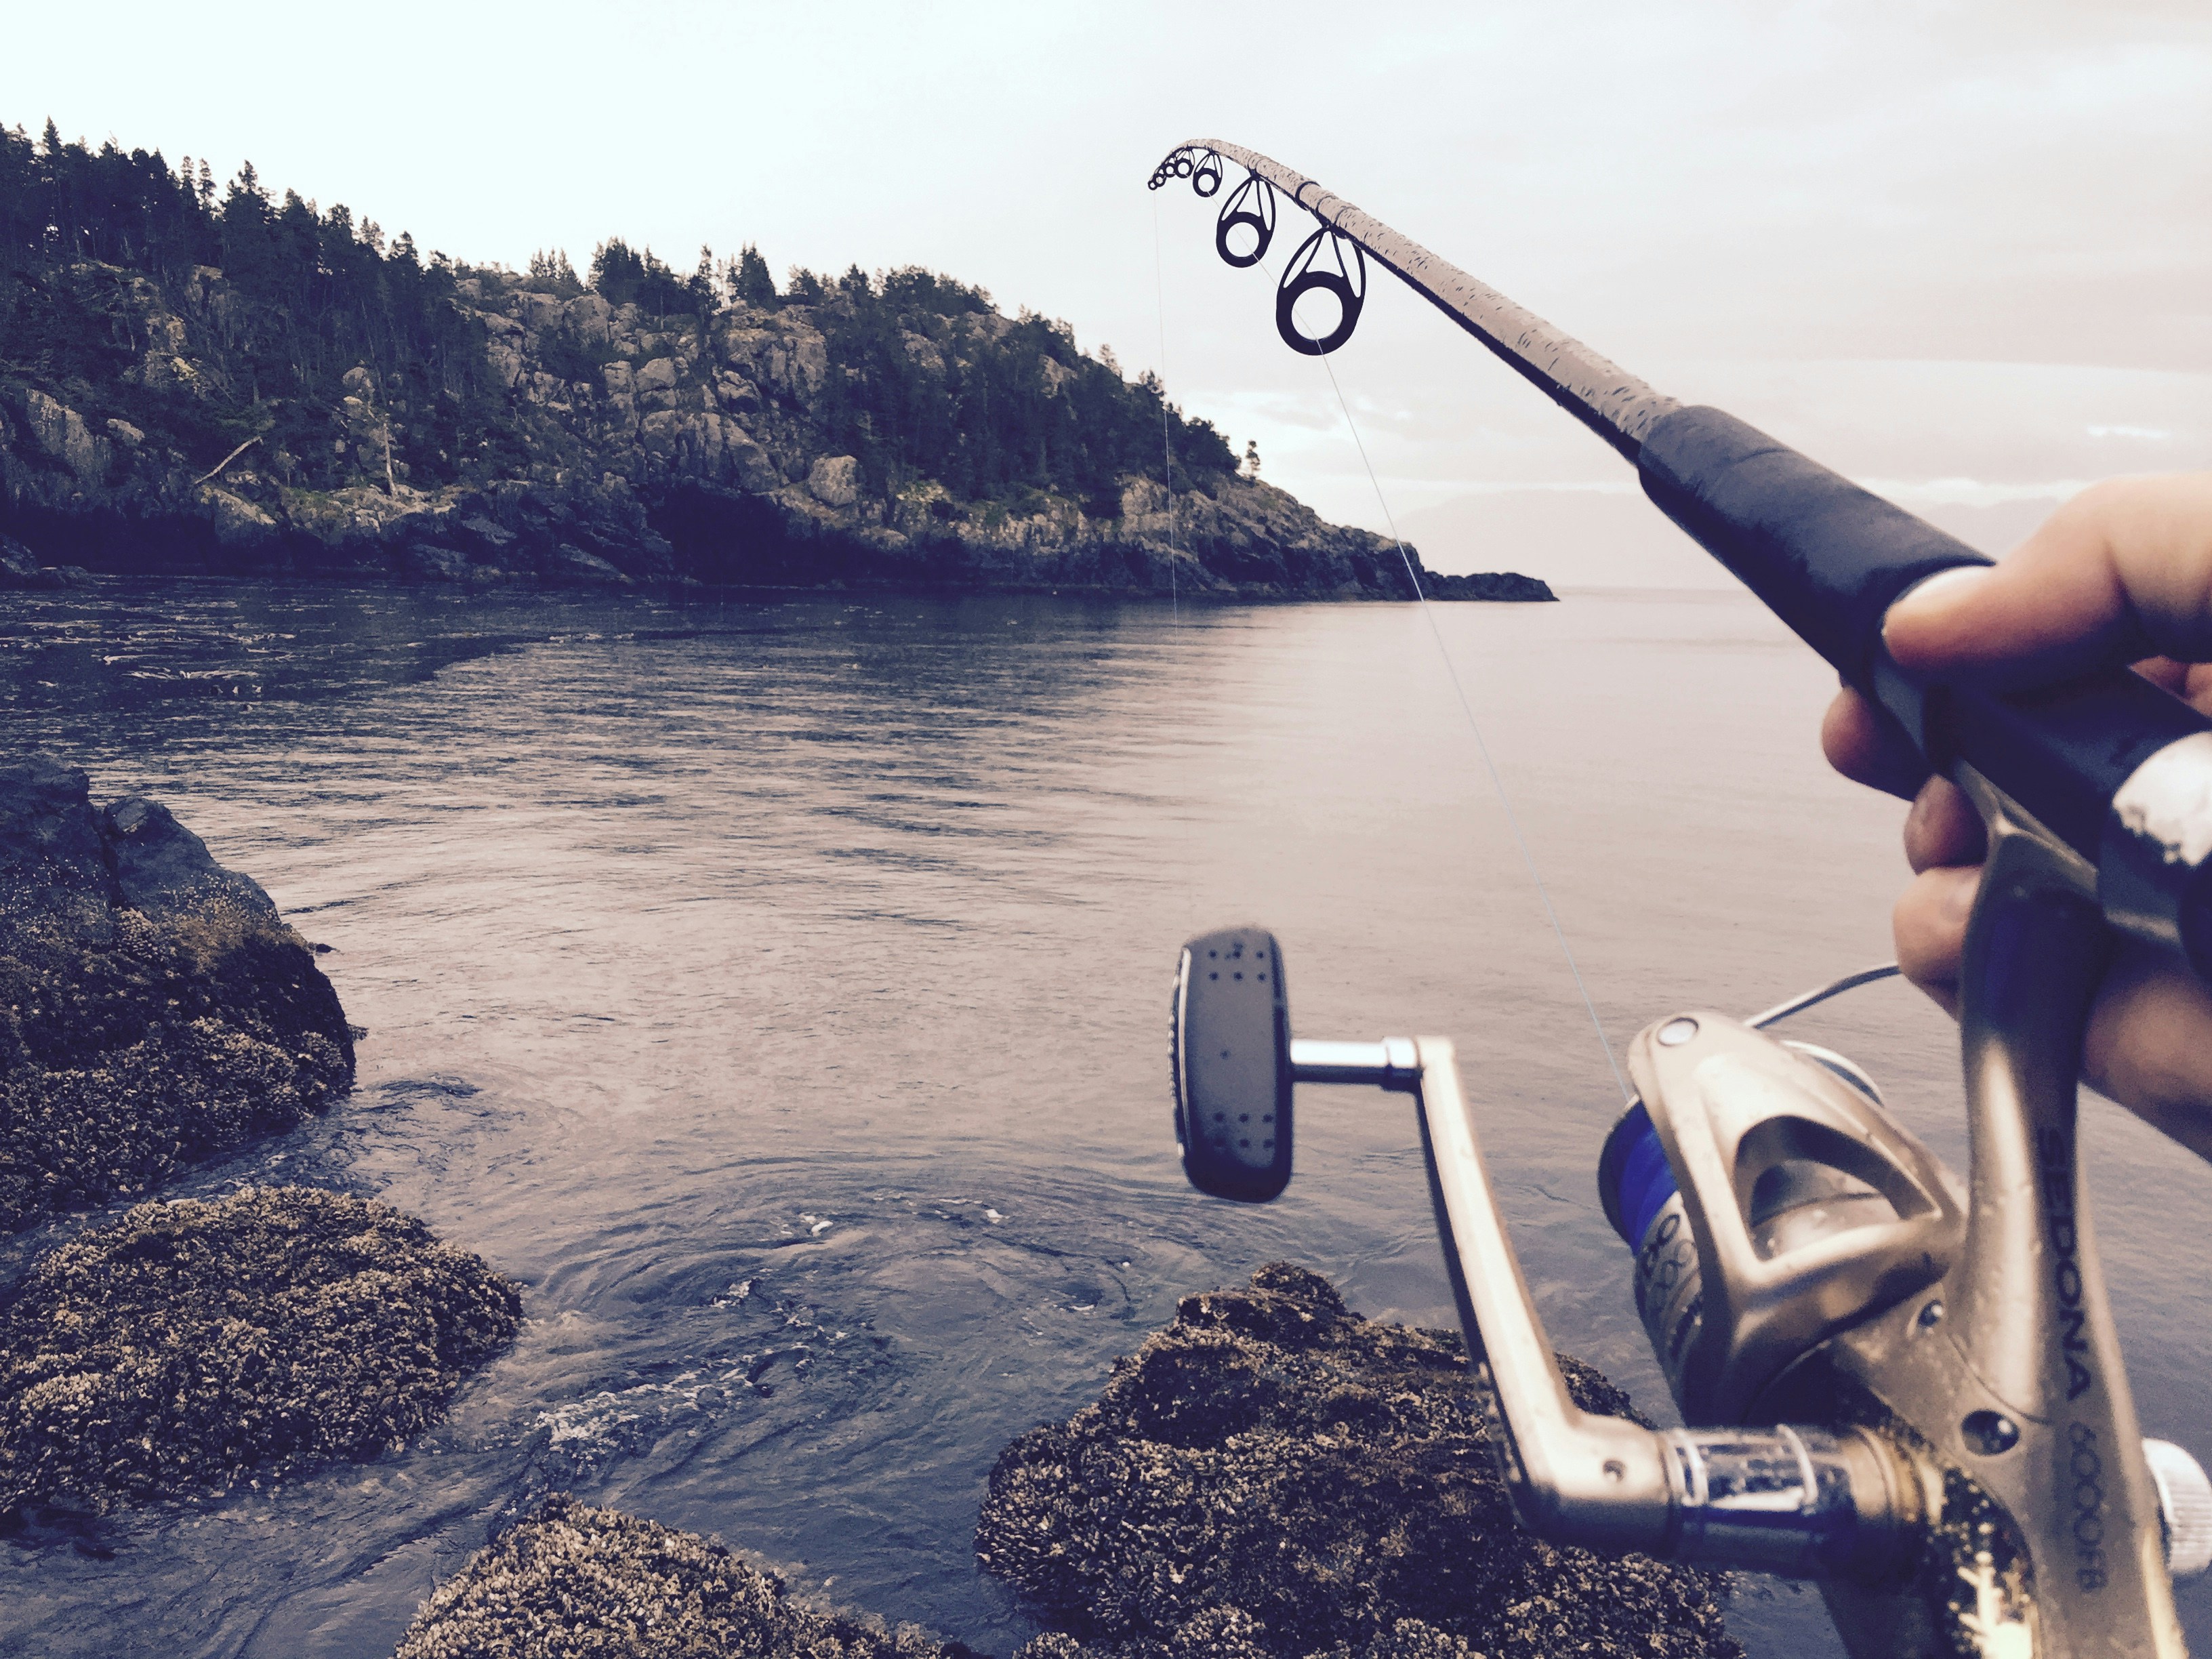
(21, 571)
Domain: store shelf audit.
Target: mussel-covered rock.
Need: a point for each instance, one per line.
(154, 1009)
(192, 1343)
(577, 1583)
(1273, 1476)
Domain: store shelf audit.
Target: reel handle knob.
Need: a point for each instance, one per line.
(1230, 1062)
(2184, 1505)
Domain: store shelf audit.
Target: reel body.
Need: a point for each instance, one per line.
(1771, 1200)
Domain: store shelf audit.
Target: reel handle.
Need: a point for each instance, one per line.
(1800, 1500)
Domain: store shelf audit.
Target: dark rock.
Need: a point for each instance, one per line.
(164, 870)
(487, 537)
(572, 564)
(427, 561)
(1493, 585)
(1275, 1476)
(154, 1009)
(193, 1344)
(21, 571)
(577, 1583)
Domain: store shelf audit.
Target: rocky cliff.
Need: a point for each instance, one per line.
(607, 444)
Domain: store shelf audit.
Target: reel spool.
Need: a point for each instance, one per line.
(1771, 1200)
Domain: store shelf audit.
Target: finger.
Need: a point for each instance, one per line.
(2149, 1045)
(2166, 674)
(2191, 681)
(1930, 924)
(2124, 570)
(1868, 748)
(1943, 827)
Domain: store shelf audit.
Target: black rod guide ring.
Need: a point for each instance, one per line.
(1300, 278)
(1175, 164)
(1239, 211)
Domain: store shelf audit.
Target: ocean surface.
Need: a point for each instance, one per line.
(777, 988)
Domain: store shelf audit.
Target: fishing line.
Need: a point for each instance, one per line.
(1467, 707)
(1167, 450)
(1451, 670)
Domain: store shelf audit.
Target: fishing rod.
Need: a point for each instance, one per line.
(1903, 1386)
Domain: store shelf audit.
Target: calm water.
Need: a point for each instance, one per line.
(778, 990)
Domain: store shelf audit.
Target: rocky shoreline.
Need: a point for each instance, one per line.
(156, 1011)
(1270, 1477)
(633, 449)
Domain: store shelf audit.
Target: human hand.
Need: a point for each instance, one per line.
(2121, 573)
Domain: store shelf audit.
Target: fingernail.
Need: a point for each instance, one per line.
(1938, 593)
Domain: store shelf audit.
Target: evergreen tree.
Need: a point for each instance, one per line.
(750, 282)
(551, 273)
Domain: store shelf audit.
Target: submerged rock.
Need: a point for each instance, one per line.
(154, 1009)
(1273, 1476)
(193, 1343)
(577, 1583)
(20, 569)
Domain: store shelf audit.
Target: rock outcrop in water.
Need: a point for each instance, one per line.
(1273, 1476)
(192, 1344)
(155, 1010)
(577, 1583)
(21, 571)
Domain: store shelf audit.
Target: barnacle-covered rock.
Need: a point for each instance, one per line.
(154, 1009)
(1272, 1475)
(191, 1343)
(577, 1583)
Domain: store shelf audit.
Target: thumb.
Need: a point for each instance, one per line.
(2122, 571)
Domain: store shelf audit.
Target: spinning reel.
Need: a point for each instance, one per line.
(1898, 1385)
(1906, 1388)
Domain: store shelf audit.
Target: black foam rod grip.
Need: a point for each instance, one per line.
(1830, 558)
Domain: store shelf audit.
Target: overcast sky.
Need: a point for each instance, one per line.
(1963, 252)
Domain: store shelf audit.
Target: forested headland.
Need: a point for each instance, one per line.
(204, 378)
